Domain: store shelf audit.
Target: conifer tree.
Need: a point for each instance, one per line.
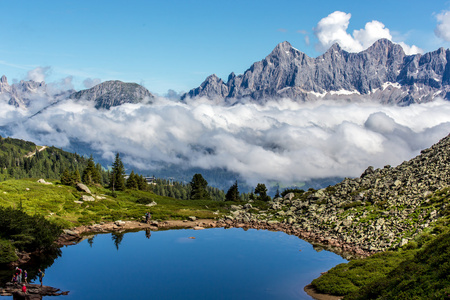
(198, 187)
(132, 181)
(261, 190)
(233, 193)
(91, 174)
(117, 181)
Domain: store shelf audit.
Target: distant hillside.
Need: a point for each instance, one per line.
(383, 73)
(23, 159)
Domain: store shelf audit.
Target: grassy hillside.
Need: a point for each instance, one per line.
(57, 203)
(61, 206)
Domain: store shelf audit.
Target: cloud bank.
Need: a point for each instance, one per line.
(443, 27)
(333, 29)
(282, 140)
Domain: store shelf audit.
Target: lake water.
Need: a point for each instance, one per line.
(218, 264)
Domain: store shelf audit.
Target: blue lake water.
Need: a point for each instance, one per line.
(218, 264)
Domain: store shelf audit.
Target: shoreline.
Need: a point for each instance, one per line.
(77, 234)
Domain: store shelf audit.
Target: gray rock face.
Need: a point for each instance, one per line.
(382, 72)
(114, 93)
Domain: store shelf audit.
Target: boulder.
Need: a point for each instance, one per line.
(289, 196)
(119, 223)
(43, 181)
(83, 188)
(87, 198)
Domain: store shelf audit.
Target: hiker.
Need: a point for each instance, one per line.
(19, 275)
(14, 278)
(25, 276)
(41, 275)
(148, 216)
(24, 288)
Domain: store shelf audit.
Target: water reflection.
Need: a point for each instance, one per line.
(42, 261)
(186, 264)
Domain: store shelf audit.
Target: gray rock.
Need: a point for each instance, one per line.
(289, 196)
(87, 198)
(83, 188)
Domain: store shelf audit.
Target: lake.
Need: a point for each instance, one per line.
(218, 264)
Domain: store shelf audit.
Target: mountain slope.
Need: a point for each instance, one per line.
(383, 209)
(382, 72)
(114, 93)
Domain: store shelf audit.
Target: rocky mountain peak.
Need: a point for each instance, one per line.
(382, 72)
(114, 93)
(4, 86)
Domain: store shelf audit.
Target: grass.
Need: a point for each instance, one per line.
(56, 203)
(420, 270)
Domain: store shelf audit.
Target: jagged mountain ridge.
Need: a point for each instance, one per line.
(114, 93)
(383, 73)
(22, 94)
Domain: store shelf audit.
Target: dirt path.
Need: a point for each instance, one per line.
(34, 152)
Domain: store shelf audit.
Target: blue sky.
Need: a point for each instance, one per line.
(177, 44)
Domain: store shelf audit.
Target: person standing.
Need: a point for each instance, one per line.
(24, 288)
(41, 276)
(19, 275)
(25, 276)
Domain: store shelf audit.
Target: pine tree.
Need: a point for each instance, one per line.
(91, 174)
(117, 181)
(198, 188)
(233, 193)
(132, 181)
(261, 190)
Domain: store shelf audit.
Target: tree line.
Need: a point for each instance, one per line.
(22, 159)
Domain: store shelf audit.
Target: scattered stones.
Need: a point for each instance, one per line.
(382, 209)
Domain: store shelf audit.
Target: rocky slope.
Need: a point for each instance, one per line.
(382, 72)
(114, 93)
(382, 209)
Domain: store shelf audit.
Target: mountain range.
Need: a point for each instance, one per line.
(105, 95)
(383, 73)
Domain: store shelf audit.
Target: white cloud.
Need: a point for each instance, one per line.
(38, 74)
(443, 27)
(282, 140)
(333, 29)
(372, 32)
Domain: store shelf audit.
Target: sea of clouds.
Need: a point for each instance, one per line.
(282, 140)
